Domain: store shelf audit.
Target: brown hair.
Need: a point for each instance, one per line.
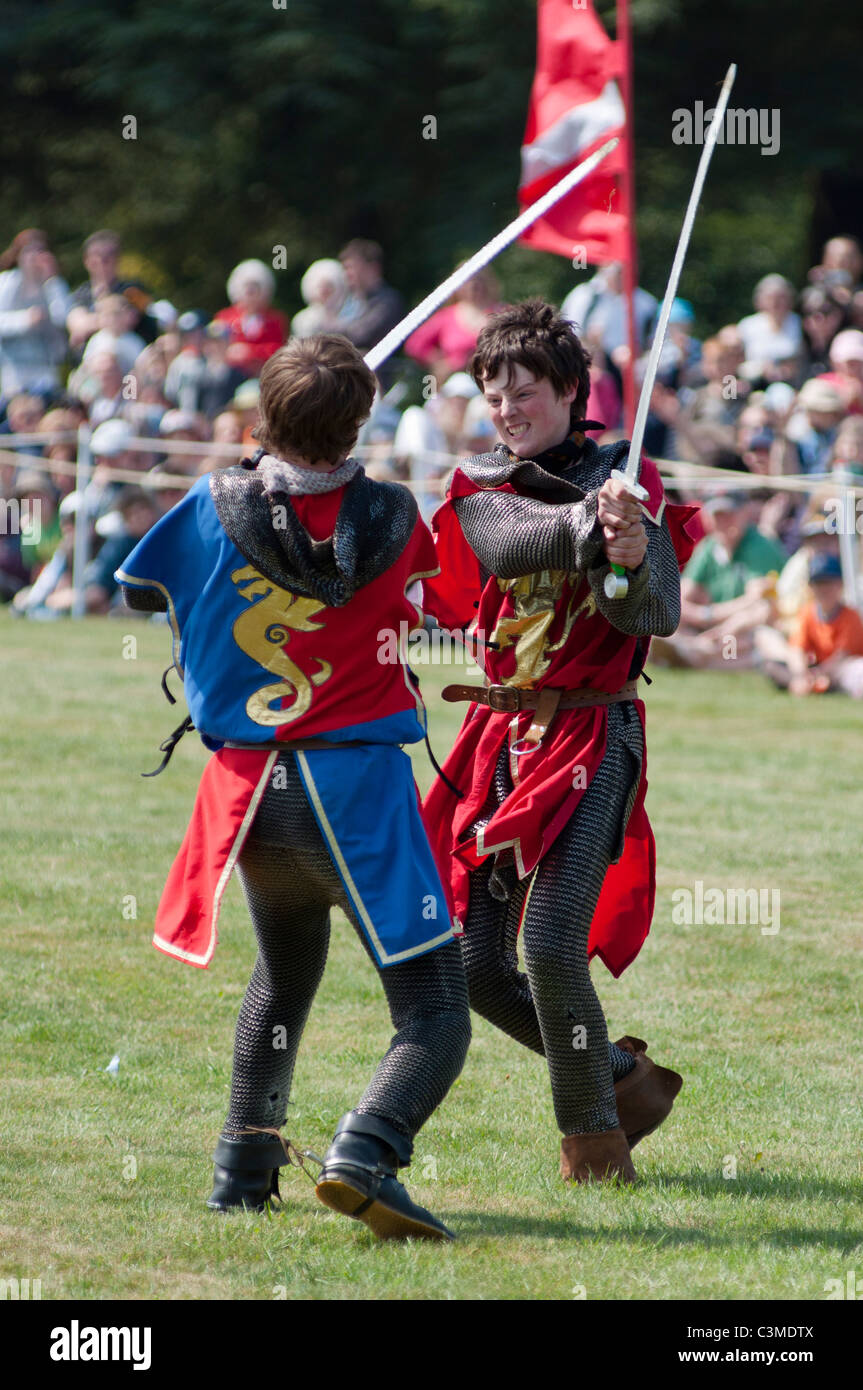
(364, 250)
(534, 335)
(104, 237)
(31, 236)
(315, 394)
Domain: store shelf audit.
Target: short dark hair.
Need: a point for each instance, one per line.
(132, 496)
(363, 250)
(104, 237)
(534, 335)
(315, 394)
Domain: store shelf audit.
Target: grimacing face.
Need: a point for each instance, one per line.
(527, 414)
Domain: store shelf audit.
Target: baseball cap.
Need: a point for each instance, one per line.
(824, 567)
(816, 394)
(847, 346)
(111, 438)
(174, 420)
(192, 321)
(724, 502)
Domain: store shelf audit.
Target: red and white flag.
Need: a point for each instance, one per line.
(576, 104)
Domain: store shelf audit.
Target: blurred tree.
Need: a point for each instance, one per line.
(259, 127)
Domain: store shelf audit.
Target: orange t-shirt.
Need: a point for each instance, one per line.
(844, 633)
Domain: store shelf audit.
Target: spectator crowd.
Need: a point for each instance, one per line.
(170, 392)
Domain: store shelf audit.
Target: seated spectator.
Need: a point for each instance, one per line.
(55, 422)
(822, 317)
(846, 374)
(245, 404)
(110, 448)
(39, 521)
(605, 402)
(724, 563)
(704, 417)
(446, 341)
(101, 257)
(598, 306)
(185, 373)
(14, 571)
(773, 336)
(182, 427)
(825, 651)
(257, 330)
(812, 428)
(137, 511)
(34, 301)
(220, 381)
(227, 429)
(101, 386)
(848, 448)
(681, 352)
(323, 288)
(478, 433)
(428, 436)
(51, 594)
(115, 317)
(841, 267)
(23, 416)
(371, 307)
(727, 589)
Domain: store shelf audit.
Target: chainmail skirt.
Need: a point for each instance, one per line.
(553, 1008)
(291, 884)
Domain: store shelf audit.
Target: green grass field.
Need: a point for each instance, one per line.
(103, 1180)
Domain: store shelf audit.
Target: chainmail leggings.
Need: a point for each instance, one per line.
(290, 885)
(553, 1008)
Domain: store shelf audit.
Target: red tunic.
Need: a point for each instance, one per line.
(547, 632)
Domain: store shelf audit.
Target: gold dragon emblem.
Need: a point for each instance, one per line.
(535, 598)
(262, 632)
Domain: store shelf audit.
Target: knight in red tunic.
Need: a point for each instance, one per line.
(550, 835)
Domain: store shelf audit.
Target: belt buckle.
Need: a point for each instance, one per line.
(503, 699)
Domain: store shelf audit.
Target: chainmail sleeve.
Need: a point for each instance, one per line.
(144, 600)
(652, 606)
(513, 535)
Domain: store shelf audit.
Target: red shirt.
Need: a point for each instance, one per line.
(254, 337)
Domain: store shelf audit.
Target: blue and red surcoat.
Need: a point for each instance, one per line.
(262, 664)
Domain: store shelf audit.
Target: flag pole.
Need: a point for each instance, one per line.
(630, 263)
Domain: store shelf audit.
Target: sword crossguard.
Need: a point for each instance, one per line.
(616, 583)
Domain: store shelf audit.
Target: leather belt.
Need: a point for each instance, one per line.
(508, 699)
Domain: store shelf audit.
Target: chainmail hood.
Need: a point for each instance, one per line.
(563, 474)
(375, 523)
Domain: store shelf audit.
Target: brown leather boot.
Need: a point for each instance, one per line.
(602, 1157)
(645, 1096)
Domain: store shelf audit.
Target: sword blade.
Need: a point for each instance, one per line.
(634, 458)
(396, 336)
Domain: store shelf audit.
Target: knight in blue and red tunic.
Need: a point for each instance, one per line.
(282, 579)
(551, 835)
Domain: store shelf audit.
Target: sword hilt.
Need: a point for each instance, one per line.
(616, 583)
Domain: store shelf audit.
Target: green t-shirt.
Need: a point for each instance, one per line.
(725, 579)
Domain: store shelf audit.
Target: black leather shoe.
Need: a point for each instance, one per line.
(245, 1175)
(359, 1179)
(249, 1190)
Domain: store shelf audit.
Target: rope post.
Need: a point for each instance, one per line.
(848, 538)
(81, 550)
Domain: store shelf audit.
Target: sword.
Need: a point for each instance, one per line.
(396, 336)
(616, 581)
